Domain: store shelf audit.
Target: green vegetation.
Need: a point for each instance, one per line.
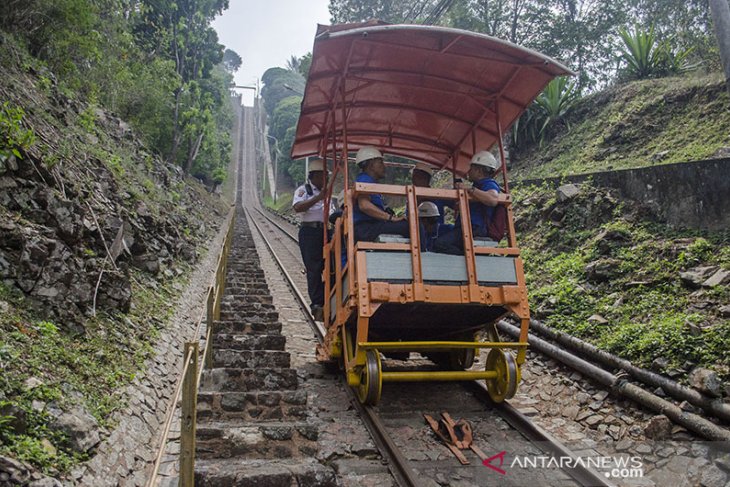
(593, 259)
(157, 64)
(14, 137)
(637, 124)
(65, 368)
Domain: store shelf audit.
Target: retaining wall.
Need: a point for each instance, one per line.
(687, 194)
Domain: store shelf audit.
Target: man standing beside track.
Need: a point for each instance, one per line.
(309, 201)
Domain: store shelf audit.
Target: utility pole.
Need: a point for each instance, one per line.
(721, 18)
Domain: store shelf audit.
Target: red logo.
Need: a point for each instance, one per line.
(488, 462)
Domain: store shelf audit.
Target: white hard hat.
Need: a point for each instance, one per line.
(427, 209)
(422, 166)
(367, 153)
(486, 159)
(316, 165)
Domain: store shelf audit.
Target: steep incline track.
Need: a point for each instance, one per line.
(417, 458)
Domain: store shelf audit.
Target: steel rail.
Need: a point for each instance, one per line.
(399, 466)
(534, 433)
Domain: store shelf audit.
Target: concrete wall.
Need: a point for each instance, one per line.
(687, 194)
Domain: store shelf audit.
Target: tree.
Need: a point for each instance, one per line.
(275, 88)
(403, 11)
(721, 18)
(231, 60)
(182, 28)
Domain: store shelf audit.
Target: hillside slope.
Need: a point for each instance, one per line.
(97, 238)
(632, 125)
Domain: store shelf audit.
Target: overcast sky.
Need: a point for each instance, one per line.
(266, 33)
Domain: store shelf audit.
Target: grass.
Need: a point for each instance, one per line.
(633, 125)
(651, 314)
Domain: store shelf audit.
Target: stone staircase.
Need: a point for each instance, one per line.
(253, 427)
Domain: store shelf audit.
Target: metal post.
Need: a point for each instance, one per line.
(209, 324)
(188, 417)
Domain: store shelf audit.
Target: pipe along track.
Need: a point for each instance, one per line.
(399, 465)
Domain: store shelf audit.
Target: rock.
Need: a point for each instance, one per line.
(624, 445)
(725, 311)
(567, 192)
(696, 276)
(18, 424)
(602, 270)
(717, 279)
(597, 319)
(80, 427)
(707, 381)
(15, 472)
(45, 482)
(658, 428)
(659, 364)
(712, 476)
(32, 382)
(723, 462)
(594, 419)
(610, 238)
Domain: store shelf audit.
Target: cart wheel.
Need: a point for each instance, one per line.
(504, 385)
(461, 359)
(371, 380)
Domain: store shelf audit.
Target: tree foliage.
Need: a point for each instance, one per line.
(231, 61)
(154, 62)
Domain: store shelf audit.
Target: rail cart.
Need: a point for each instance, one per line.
(436, 95)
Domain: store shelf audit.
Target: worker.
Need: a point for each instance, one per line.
(485, 195)
(421, 176)
(428, 216)
(370, 215)
(309, 203)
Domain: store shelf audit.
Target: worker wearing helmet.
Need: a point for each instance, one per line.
(421, 176)
(309, 203)
(370, 215)
(484, 195)
(428, 216)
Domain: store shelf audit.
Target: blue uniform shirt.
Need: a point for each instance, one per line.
(481, 213)
(376, 199)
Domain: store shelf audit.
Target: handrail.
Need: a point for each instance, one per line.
(188, 385)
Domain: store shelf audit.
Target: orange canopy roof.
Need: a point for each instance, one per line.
(421, 92)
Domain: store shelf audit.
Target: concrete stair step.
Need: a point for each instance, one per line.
(251, 341)
(223, 379)
(246, 326)
(275, 439)
(252, 315)
(252, 406)
(263, 473)
(251, 359)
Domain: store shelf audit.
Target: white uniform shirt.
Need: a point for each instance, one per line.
(315, 212)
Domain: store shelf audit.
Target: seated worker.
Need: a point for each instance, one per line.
(309, 202)
(370, 215)
(428, 216)
(485, 195)
(421, 175)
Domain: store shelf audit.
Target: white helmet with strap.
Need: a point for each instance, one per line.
(422, 166)
(366, 153)
(316, 165)
(486, 159)
(428, 209)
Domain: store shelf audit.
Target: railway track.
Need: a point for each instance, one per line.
(415, 457)
(381, 420)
